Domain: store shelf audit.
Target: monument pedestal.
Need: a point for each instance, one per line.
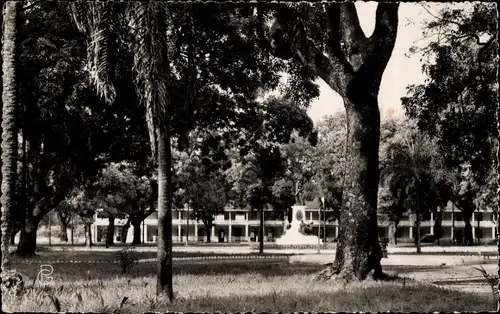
(293, 236)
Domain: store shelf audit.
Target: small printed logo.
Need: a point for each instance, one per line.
(45, 274)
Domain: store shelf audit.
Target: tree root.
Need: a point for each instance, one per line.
(327, 273)
(334, 273)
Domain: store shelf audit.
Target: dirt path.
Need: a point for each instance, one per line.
(460, 277)
(450, 271)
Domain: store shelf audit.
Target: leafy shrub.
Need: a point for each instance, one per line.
(12, 283)
(43, 232)
(79, 232)
(127, 258)
(492, 281)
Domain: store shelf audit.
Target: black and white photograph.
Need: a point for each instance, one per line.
(249, 156)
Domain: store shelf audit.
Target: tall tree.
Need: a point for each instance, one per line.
(456, 104)
(147, 29)
(260, 162)
(411, 171)
(64, 141)
(329, 161)
(83, 202)
(208, 80)
(352, 65)
(10, 107)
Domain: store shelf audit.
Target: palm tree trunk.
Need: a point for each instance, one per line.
(496, 211)
(9, 131)
(164, 258)
(498, 241)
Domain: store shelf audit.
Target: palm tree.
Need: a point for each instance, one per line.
(146, 28)
(411, 174)
(9, 130)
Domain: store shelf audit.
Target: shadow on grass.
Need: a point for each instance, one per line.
(111, 255)
(360, 300)
(267, 268)
(464, 281)
(402, 269)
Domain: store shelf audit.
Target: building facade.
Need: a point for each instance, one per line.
(241, 225)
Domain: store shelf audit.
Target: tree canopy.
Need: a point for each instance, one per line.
(457, 103)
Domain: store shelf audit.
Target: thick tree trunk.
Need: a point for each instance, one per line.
(124, 233)
(64, 231)
(110, 235)
(164, 258)
(359, 251)
(438, 226)
(63, 222)
(208, 228)
(136, 224)
(72, 232)
(9, 130)
(468, 239)
(88, 236)
(27, 240)
(354, 69)
(417, 237)
(13, 237)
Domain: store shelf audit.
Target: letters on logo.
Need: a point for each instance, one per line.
(44, 274)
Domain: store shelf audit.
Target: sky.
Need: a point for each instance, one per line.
(401, 70)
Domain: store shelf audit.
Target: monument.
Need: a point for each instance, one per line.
(292, 235)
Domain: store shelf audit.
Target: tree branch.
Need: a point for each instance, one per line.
(287, 38)
(381, 44)
(352, 37)
(386, 27)
(29, 6)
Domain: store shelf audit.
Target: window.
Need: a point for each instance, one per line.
(479, 233)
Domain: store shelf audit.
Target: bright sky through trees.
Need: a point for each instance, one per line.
(401, 70)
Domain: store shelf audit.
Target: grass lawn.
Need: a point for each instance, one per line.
(112, 255)
(228, 286)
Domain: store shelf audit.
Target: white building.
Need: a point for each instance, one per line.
(241, 225)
